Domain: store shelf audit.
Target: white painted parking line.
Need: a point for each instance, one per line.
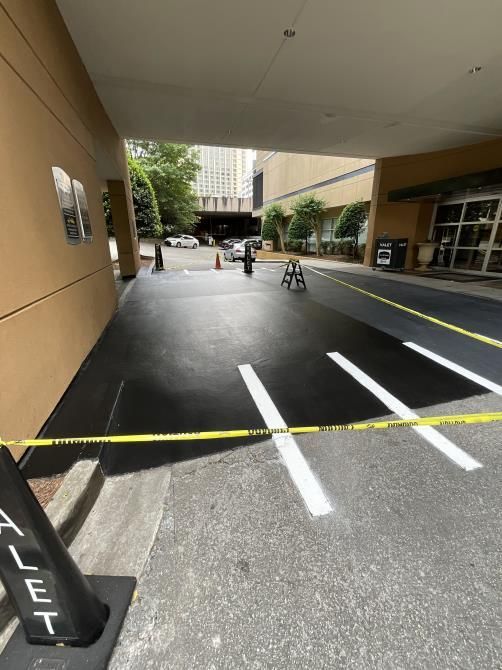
(440, 442)
(482, 381)
(297, 466)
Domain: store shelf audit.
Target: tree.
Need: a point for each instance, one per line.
(352, 222)
(298, 229)
(269, 231)
(307, 210)
(273, 223)
(146, 210)
(172, 169)
(108, 214)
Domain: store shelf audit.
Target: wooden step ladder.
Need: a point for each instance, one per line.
(293, 271)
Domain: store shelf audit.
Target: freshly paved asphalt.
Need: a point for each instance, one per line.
(403, 573)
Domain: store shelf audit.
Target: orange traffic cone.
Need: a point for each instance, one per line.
(217, 265)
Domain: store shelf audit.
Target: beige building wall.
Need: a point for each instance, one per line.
(285, 174)
(413, 219)
(55, 298)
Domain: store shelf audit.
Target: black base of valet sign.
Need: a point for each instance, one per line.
(68, 621)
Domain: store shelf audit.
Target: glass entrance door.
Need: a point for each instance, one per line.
(470, 235)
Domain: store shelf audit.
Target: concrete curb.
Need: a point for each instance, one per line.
(67, 511)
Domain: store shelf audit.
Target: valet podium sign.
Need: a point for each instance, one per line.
(68, 621)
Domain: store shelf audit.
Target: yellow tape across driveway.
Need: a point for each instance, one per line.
(446, 420)
(421, 315)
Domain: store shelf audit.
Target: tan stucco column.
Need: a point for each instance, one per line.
(124, 225)
(398, 219)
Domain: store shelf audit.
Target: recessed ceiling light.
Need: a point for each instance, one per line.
(289, 32)
(475, 69)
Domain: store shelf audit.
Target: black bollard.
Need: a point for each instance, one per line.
(54, 601)
(159, 261)
(248, 260)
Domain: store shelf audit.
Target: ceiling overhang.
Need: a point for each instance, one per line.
(361, 78)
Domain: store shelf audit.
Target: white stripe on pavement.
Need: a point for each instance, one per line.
(430, 434)
(482, 381)
(186, 272)
(297, 466)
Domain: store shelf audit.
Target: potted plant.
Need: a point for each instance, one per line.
(425, 254)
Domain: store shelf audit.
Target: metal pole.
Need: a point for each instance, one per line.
(159, 261)
(52, 598)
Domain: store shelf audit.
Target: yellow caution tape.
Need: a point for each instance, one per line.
(446, 420)
(432, 319)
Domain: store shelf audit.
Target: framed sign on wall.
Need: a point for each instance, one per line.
(83, 219)
(67, 205)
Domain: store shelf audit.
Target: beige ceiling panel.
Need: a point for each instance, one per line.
(382, 57)
(360, 77)
(225, 45)
(142, 112)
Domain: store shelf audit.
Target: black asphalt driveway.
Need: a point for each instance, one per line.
(346, 550)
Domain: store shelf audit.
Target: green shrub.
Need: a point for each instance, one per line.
(295, 245)
(352, 222)
(325, 246)
(146, 210)
(298, 229)
(307, 211)
(269, 231)
(273, 220)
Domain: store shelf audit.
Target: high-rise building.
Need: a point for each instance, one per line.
(222, 171)
(247, 182)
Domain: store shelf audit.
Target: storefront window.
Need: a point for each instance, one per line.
(475, 235)
(445, 234)
(497, 242)
(328, 229)
(469, 259)
(495, 261)
(464, 231)
(449, 213)
(481, 210)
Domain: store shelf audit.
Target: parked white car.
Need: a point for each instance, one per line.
(236, 252)
(182, 241)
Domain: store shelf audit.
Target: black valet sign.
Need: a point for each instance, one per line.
(384, 253)
(67, 205)
(54, 601)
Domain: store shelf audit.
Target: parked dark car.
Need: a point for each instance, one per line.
(226, 244)
(256, 241)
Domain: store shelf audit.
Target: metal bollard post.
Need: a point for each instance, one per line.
(56, 604)
(159, 261)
